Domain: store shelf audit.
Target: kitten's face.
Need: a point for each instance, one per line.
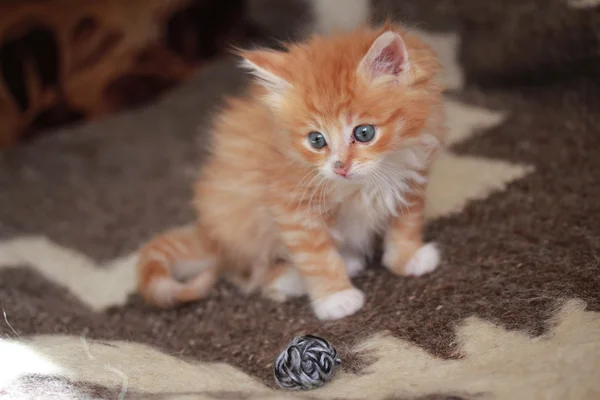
(348, 150)
(346, 102)
(348, 145)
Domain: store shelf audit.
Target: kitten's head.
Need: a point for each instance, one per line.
(347, 101)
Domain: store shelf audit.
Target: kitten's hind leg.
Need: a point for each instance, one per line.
(178, 266)
(283, 282)
(354, 261)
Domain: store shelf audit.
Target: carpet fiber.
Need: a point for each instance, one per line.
(512, 313)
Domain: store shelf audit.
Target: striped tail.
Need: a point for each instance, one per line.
(177, 267)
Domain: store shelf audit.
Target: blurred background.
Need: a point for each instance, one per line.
(63, 62)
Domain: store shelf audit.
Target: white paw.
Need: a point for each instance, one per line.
(354, 264)
(425, 260)
(339, 305)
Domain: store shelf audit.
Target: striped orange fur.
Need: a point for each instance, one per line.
(330, 147)
(176, 267)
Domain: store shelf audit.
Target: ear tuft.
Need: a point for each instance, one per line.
(386, 57)
(268, 66)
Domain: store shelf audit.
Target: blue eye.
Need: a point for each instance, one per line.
(364, 133)
(317, 140)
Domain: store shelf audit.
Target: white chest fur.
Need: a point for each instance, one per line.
(360, 217)
(365, 211)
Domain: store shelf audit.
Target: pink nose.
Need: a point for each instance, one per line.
(341, 168)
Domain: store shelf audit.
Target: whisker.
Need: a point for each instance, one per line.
(373, 182)
(305, 192)
(395, 190)
(410, 182)
(309, 206)
(8, 323)
(321, 202)
(304, 181)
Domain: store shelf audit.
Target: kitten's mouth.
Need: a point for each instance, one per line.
(348, 178)
(342, 177)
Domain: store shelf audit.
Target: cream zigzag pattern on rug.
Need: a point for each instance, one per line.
(494, 363)
(455, 181)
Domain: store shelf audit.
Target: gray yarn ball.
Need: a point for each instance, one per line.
(307, 363)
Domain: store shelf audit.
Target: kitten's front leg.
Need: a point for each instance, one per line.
(315, 256)
(404, 251)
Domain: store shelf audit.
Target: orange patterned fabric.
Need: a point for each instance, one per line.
(61, 63)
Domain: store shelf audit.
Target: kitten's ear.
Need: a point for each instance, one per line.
(269, 66)
(387, 57)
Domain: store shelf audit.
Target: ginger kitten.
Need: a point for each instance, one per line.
(330, 147)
